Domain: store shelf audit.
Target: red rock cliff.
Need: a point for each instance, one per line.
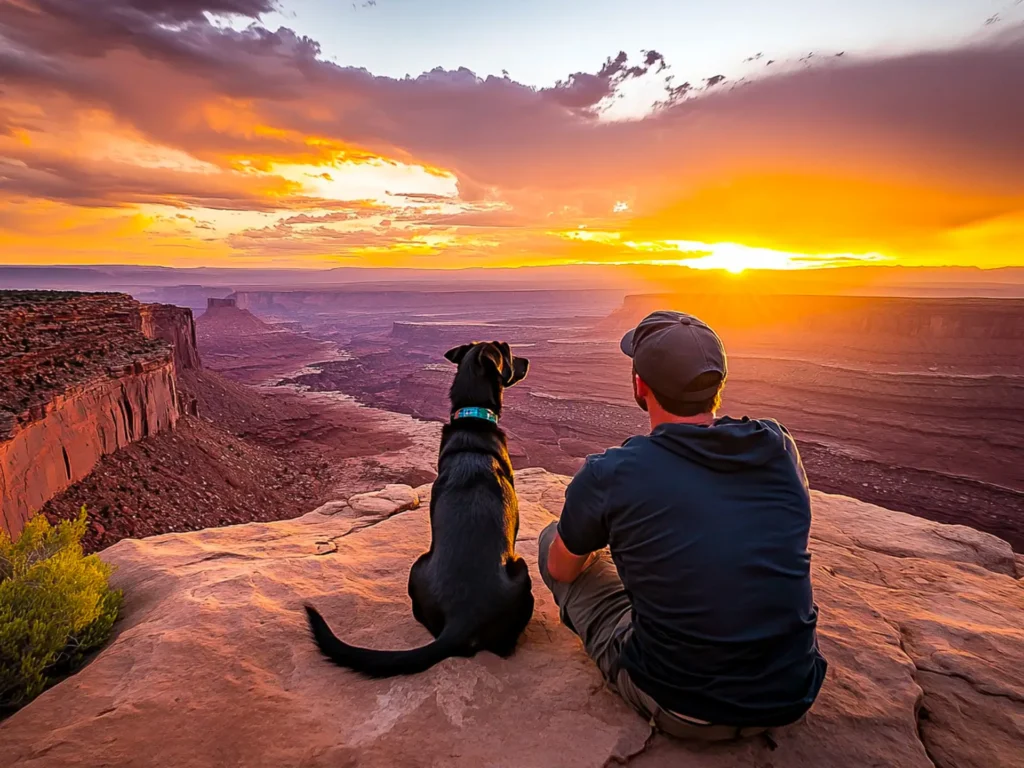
(914, 318)
(987, 334)
(81, 375)
(176, 326)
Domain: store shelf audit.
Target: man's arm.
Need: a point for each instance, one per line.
(563, 565)
(582, 527)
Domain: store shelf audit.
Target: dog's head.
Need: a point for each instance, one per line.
(485, 369)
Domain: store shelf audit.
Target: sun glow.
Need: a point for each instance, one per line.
(376, 179)
(736, 258)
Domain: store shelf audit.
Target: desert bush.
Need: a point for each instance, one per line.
(55, 605)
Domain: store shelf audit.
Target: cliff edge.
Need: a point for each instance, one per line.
(81, 375)
(212, 664)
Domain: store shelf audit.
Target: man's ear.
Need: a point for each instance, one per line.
(456, 354)
(520, 366)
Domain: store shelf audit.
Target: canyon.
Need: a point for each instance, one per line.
(968, 335)
(912, 404)
(242, 450)
(237, 343)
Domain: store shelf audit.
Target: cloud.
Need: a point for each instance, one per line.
(478, 219)
(27, 175)
(898, 153)
(348, 210)
(422, 197)
(282, 239)
(584, 92)
(189, 10)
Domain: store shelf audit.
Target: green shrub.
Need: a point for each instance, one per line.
(55, 605)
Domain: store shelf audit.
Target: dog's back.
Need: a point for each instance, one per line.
(470, 589)
(475, 522)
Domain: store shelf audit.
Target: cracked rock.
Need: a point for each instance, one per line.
(211, 664)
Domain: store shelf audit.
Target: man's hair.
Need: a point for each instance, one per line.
(710, 405)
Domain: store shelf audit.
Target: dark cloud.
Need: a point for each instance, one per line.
(585, 92)
(350, 211)
(27, 174)
(26, 65)
(37, 175)
(422, 197)
(484, 219)
(192, 10)
(178, 33)
(282, 239)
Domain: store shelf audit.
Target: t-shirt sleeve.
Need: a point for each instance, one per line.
(583, 526)
(794, 454)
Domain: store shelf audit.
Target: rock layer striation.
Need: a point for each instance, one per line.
(81, 375)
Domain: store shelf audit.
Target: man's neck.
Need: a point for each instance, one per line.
(660, 417)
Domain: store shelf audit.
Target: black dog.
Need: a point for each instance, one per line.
(470, 589)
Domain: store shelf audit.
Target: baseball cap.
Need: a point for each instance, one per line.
(671, 349)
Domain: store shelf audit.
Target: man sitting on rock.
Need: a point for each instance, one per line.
(702, 618)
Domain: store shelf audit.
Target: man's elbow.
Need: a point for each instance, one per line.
(563, 566)
(560, 573)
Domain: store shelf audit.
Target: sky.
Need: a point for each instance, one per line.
(308, 133)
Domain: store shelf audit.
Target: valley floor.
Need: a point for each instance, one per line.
(250, 455)
(887, 449)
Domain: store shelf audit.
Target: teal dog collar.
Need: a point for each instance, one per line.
(476, 413)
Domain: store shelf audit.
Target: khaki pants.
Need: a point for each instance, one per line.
(596, 608)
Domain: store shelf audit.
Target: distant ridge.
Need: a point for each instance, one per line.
(222, 317)
(629, 278)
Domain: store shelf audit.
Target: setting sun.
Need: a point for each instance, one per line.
(736, 258)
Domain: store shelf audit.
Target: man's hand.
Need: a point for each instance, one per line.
(563, 565)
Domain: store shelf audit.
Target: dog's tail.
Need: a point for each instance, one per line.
(374, 663)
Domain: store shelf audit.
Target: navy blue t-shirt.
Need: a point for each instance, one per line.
(708, 529)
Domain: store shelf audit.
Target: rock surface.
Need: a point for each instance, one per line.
(212, 666)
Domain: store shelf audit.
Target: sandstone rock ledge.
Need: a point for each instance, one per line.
(212, 666)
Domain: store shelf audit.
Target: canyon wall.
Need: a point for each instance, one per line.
(479, 305)
(81, 375)
(918, 318)
(970, 334)
(76, 429)
(176, 326)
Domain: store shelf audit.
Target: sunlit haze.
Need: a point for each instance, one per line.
(307, 133)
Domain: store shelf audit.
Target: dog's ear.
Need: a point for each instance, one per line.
(456, 354)
(520, 366)
(506, 360)
(512, 369)
(491, 353)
